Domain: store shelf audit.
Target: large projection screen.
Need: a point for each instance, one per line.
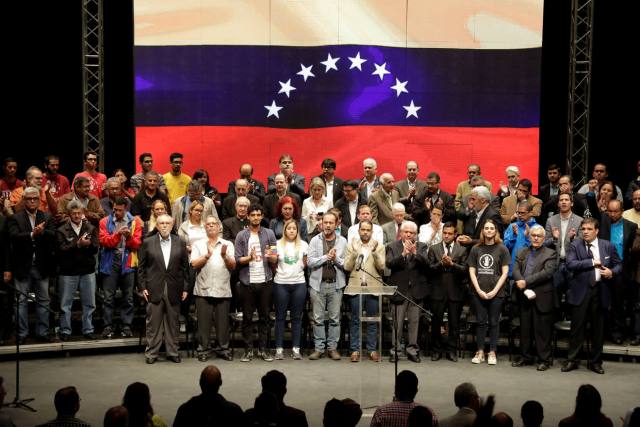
(445, 83)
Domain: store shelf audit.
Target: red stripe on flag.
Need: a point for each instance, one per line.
(447, 150)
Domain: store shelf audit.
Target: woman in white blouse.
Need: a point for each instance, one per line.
(315, 206)
(192, 229)
(290, 287)
(431, 233)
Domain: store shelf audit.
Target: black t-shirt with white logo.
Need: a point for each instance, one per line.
(488, 261)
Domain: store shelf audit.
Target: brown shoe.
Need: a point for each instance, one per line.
(374, 356)
(315, 355)
(334, 355)
(355, 356)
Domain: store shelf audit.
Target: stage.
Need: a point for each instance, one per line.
(102, 379)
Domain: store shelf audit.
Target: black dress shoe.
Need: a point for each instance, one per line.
(90, 336)
(436, 356)
(414, 357)
(596, 367)
(175, 359)
(542, 366)
(452, 356)
(521, 361)
(150, 360)
(44, 338)
(569, 365)
(63, 337)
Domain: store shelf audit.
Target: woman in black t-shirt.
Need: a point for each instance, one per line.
(488, 269)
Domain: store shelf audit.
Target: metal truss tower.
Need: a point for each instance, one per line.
(580, 64)
(92, 78)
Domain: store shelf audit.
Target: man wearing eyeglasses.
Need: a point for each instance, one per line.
(97, 180)
(533, 274)
(517, 235)
(523, 192)
(146, 165)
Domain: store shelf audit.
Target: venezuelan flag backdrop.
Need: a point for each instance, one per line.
(445, 83)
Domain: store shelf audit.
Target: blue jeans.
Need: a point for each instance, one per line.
(371, 308)
(109, 286)
(285, 296)
(328, 299)
(41, 289)
(487, 312)
(68, 285)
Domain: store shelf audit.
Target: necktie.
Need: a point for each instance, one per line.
(448, 249)
(398, 235)
(589, 250)
(592, 279)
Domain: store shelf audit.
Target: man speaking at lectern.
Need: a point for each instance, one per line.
(364, 260)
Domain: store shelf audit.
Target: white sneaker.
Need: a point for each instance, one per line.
(279, 354)
(492, 359)
(295, 354)
(478, 358)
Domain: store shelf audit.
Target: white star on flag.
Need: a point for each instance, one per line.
(412, 110)
(305, 72)
(330, 63)
(381, 70)
(286, 87)
(273, 109)
(356, 62)
(400, 87)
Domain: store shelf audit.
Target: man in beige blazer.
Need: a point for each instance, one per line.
(382, 200)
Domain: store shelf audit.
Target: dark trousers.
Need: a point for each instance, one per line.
(162, 325)
(535, 325)
(617, 314)
(590, 311)
(487, 315)
(252, 296)
(635, 301)
(454, 309)
(208, 309)
(292, 297)
(109, 285)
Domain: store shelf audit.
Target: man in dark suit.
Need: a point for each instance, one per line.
(432, 196)
(479, 210)
(533, 275)
(407, 260)
(348, 204)
(256, 188)
(447, 289)
(332, 184)
(229, 203)
(565, 185)
(32, 235)
(271, 200)
(295, 182)
(620, 232)
(163, 279)
(551, 188)
(594, 263)
(410, 187)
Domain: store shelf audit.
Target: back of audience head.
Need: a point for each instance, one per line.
(67, 401)
(466, 396)
(137, 400)
(633, 418)
(420, 416)
(341, 413)
(117, 416)
(532, 413)
(588, 402)
(501, 419)
(275, 382)
(406, 386)
(210, 380)
(266, 408)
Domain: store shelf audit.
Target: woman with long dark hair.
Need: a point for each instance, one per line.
(137, 400)
(488, 269)
(588, 411)
(209, 191)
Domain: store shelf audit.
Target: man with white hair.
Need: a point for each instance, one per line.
(242, 190)
(533, 272)
(381, 201)
(480, 210)
(370, 182)
(33, 178)
(511, 187)
(163, 279)
(391, 230)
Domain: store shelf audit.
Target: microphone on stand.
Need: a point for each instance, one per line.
(359, 262)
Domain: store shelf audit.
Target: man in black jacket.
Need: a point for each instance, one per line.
(32, 235)
(275, 382)
(77, 247)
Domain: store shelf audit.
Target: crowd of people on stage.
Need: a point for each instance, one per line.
(210, 408)
(176, 242)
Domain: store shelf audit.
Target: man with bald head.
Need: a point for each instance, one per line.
(163, 264)
(209, 408)
(411, 186)
(381, 202)
(241, 190)
(256, 188)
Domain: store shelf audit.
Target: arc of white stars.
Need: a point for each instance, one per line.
(273, 109)
(400, 87)
(412, 110)
(286, 88)
(330, 63)
(381, 70)
(305, 72)
(356, 62)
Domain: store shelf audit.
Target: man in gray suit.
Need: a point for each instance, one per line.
(560, 230)
(381, 201)
(162, 278)
(411, 186)
(391, 230)
(468, 402)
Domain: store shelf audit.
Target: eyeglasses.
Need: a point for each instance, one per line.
(31, 199)
(522, 212)
(537, 236)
